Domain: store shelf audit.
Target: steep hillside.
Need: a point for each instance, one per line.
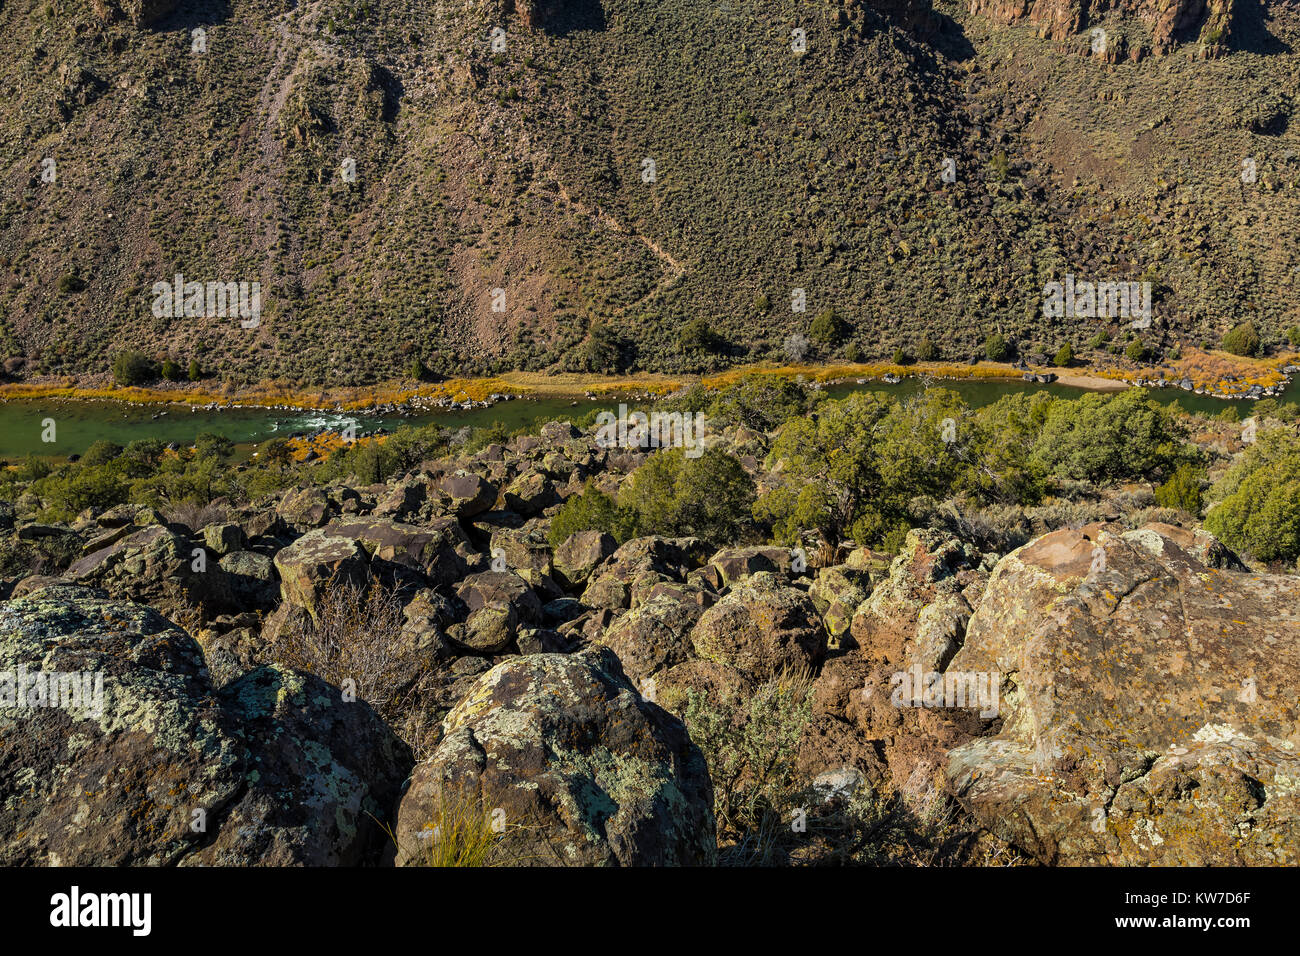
(525, 169)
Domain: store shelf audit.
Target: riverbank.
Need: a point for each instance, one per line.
(1215, 374)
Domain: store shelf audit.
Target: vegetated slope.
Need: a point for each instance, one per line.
(524, 169)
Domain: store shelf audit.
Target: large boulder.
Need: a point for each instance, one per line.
(654, 636)
(732, 565)
(1148, 705)
(315, 562)
(159, 567)
(466, 494)
(151, 765)
(580, 554)
(304, 509)
(326, 771)
(582, 769)
(253, 581)
(349, 550)
(761, 627)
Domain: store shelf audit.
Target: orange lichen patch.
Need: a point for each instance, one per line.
(325, 444)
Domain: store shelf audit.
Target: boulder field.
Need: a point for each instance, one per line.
(1100, 696)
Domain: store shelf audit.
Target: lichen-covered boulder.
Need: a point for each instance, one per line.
(732, 565)
(146, 763)
(837, 592)
(429, 551)
(466, 494)
(654, 636)
(223, 538)
(761, 627)
(583, 770)
(499, 589)
(324, 772)
(159, 567)
(304, 509)
(315, 562)
(1148, 705)
(580, 555)
(253, 580)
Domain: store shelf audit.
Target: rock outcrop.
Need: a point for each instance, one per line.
(1149, 708)
(130, 756)
(1169, 22)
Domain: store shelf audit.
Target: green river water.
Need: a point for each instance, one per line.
(79, 423)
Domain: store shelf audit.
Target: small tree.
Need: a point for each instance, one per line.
(600, 353)
(277, 452)
(170, 370)
(195, 372)
(1064, 357)
(590, 510)
(698, 336)
(926, 350)
(827, 329)
(997, 348)
(101, 453)
(1242, 340)
(1136, 351)
(132, 368)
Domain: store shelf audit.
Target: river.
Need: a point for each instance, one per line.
(23, 422)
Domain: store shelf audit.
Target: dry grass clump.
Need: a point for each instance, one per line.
(461, 831)
(356, 643)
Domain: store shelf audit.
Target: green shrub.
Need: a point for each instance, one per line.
(1182, 490)
(1064, 357)
(698, 336)
(132, 368)
(71, 282)
(1101, 437)
(675, 496)
(1258, 500)
(761, 402)
(750, 745)
(827, 328)
(101, 452)
(601, 351)
(1242, 340)
(997, 348)
(591, 510)
(926, 351)
(854, 471)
